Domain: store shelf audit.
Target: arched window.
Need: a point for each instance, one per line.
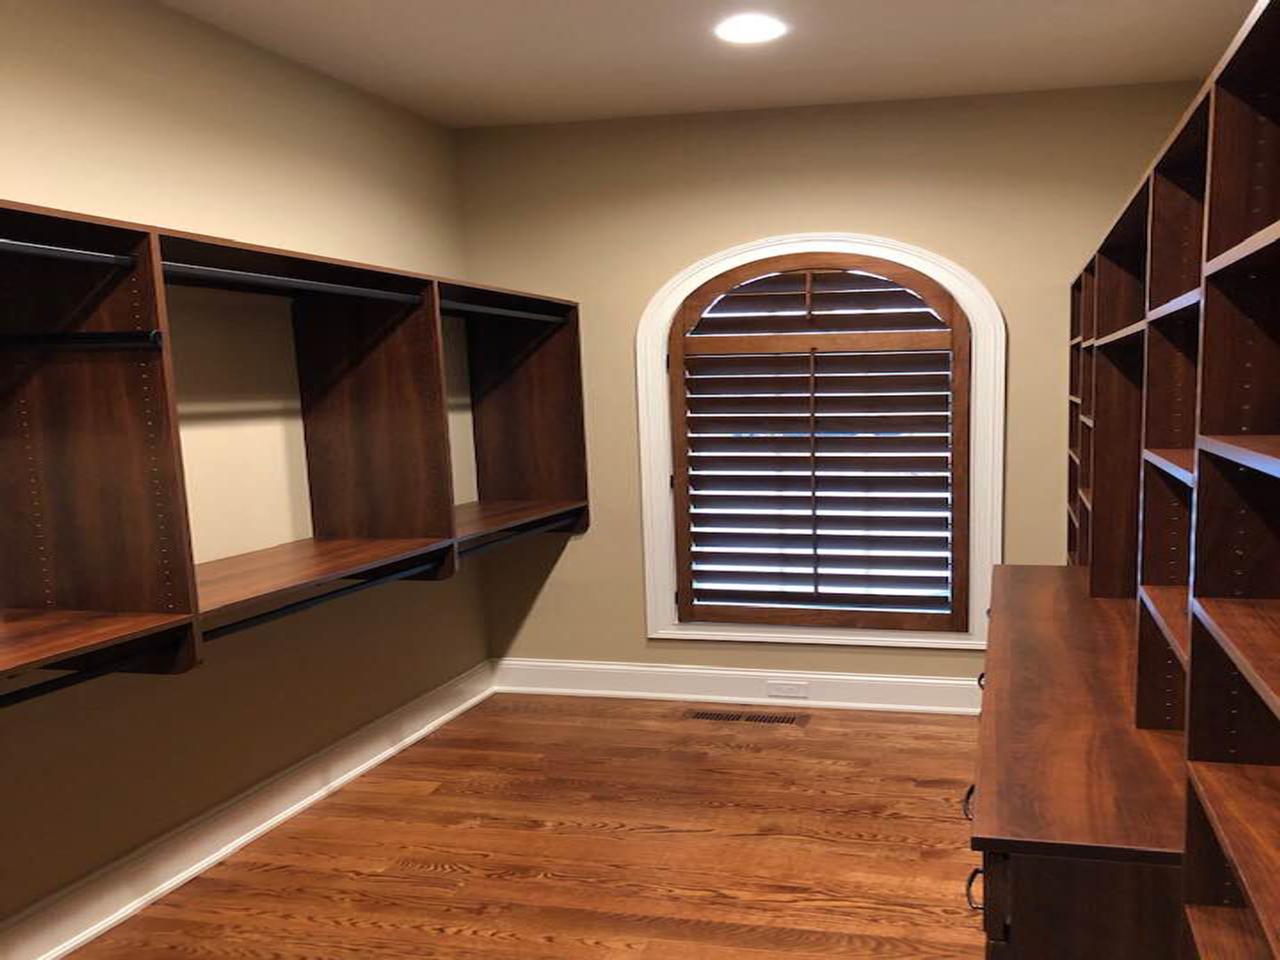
(820, 433)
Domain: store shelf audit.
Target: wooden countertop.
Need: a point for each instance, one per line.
(1062, 768)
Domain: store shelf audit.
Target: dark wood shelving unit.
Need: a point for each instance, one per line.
(1174, 487)
(106, 579)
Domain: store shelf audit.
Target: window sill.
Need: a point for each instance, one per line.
(748, 633)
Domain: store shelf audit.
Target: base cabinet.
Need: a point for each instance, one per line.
(1067, 908)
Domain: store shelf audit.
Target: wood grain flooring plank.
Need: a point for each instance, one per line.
(548, 828)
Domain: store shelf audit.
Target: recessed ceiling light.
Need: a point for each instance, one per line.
(750, 28)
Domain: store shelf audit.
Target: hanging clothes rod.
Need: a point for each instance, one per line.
(65, 253)
(216, 276)
(109, 340)
(459, 307)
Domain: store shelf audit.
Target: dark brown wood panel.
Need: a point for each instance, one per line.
(548, 828)
(251, 583)
(526, 401)
(36, 638)
(1117, 454)
(1069, 909)
(372, 386)
(1062, 768)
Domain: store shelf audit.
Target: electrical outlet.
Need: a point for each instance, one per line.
(795, 689)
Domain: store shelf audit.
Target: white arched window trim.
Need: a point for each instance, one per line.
(986, 443)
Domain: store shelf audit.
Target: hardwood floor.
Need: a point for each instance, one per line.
(559, 828)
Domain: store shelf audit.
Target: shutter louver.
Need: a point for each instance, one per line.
(817, 480)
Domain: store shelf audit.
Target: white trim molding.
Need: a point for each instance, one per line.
(987, 425)
(654, 681)
(55, 927)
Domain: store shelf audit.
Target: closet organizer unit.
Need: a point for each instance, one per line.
(94, 506)
(1128, 794)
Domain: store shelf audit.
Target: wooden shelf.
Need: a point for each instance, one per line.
(1247, 631)
(1059, 675)
(1169, 609)
(1242, 802)
(1086, 497)
(30, 639)
(1071, 512)
(484, 522)
(1087, 420)
(1226, 933)
(1074, 455)
(1254, 451)
(1187, 301)
(1177, 463)
(1072, 398)
(251, 584)
(1132, 330)
(1258, 243)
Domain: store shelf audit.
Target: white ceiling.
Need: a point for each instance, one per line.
(484, 62)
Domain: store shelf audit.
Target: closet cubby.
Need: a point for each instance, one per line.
(93, 518)
(367, 357)
(1244, 188)
(1237, 530)
(526, 410)
(1162, 675)
(1121, 274)
(1164, 612)
(1116, 455)
(1086, 382)
(1240, 409)
(1220, 922)
(1177, 215)
(1172, 377)
(103, 398)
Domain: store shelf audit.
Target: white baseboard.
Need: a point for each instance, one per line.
(55, 927)
(725, 685)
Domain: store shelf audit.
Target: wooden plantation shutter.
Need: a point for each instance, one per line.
(820, 423)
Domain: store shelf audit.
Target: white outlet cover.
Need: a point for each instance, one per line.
(796, 689)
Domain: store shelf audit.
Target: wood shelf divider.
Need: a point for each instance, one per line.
(1177, 463)
(1171, 612)
(1261, 453)
(1242, 803)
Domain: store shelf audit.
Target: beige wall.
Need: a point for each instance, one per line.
(125, 109)
(1017, 189)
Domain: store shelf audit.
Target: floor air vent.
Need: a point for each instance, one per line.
(729, 716)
